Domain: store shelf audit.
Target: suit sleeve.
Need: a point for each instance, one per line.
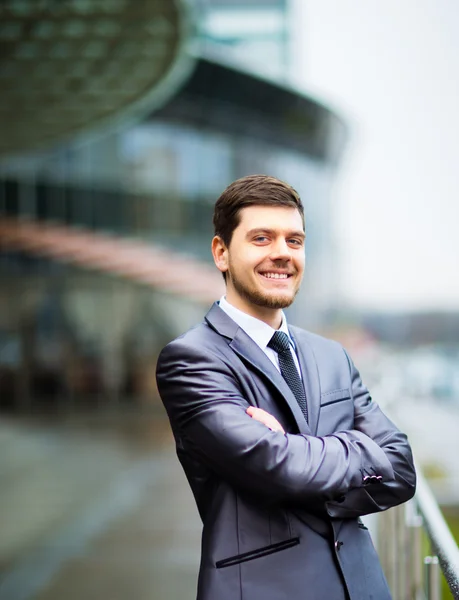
(207, 411)
(377, 495)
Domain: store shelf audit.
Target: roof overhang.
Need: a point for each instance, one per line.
(220, 97)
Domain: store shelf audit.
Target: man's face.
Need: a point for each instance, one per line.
(264, 262)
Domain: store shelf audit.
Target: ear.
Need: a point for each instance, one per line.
(220, 254)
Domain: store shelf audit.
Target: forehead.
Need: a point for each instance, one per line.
(270, 217)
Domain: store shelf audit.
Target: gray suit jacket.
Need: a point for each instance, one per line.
(280, 511)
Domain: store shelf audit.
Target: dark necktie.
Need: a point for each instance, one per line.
(281, 344)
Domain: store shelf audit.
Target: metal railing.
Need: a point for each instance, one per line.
(416, 546)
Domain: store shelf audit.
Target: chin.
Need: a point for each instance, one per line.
(257, 296)
(268, 301)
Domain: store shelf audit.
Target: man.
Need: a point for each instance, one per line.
(280, 441)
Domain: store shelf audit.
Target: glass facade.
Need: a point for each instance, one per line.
(156, 181)
(254, 34)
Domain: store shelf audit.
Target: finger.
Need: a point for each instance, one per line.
(265, 418)
(275, 425)
(258, 414)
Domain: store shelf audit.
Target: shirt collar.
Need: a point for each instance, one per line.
(260, 332)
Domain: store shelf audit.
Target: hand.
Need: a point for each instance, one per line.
(264, 417)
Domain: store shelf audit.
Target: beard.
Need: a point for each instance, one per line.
(258, 297)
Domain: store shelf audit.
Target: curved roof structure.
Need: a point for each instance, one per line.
(74, 65)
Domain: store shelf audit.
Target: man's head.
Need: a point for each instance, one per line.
(259, 244)
(252, 190)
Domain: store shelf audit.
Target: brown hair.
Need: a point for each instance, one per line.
(251, 190)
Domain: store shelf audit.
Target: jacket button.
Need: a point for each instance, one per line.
(338, 545)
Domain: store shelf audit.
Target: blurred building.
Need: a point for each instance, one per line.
(122, 149)
(252, 34)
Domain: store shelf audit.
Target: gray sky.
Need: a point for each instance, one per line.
(392, 70)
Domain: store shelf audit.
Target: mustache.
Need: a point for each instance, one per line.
(280, 265)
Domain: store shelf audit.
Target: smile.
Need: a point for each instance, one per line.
(276, 275)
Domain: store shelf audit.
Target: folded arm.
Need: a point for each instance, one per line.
(381, 494)
(208, 412)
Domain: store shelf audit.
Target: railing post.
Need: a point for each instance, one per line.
(391, 549)
(432, 572)
(401, 536)
(414, 579)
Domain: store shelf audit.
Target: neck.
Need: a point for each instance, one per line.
(270, 316)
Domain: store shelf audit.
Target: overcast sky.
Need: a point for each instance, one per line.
(392, 70)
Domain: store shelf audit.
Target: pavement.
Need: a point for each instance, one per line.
(95, 508)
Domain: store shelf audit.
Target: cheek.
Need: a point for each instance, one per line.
(247, 260)
(300, 261)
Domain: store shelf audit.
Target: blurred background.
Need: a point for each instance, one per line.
(121, 122)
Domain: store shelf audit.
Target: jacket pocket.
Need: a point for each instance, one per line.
(260, 552)
(334, 396)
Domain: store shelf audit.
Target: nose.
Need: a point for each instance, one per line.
(280, 250)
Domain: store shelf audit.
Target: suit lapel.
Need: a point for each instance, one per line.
(310, 375)
(248, 350)
(243, 345)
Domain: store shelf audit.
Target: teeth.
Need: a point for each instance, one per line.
(276, 275)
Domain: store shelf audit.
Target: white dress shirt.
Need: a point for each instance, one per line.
(260, 332)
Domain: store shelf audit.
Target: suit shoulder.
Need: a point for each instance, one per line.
(200, 338)
(192, 336)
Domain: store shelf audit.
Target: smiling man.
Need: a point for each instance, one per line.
(281, 442)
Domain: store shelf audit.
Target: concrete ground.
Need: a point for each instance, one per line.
(95, 507)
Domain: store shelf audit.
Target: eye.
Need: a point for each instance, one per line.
(295, 242)
(260, 239)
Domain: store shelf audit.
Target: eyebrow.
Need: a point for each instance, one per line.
(292, 233)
